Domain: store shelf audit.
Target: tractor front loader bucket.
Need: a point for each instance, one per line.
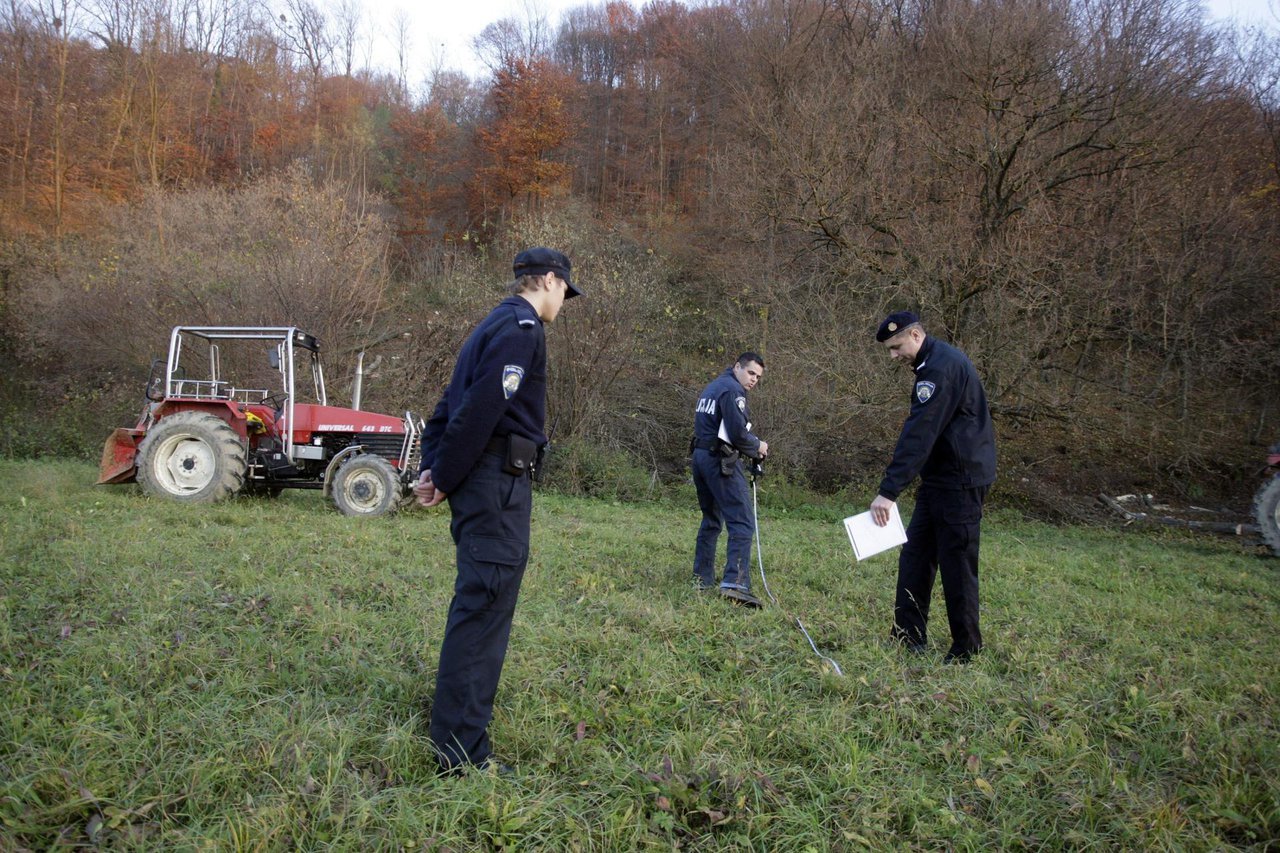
(119, 457)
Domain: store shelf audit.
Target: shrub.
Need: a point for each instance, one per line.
(577, 468)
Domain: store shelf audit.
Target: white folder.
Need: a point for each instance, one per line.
(868, 538)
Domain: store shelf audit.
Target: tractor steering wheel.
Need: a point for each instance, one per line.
(276, 401)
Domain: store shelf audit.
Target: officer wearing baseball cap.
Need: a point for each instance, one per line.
(479, 450)
(540, 261)
(948, 441)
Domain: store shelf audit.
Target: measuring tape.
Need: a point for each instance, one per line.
(756, 471)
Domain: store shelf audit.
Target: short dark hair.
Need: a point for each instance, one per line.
(748, 357)
(524, 284)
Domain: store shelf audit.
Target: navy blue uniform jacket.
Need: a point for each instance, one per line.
(499, 386)
(725, 399)
(947, 438)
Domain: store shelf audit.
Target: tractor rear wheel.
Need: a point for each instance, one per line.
(367, 485)
(194, 457)
(1266, 509)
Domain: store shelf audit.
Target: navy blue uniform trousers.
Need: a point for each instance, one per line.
(943, 535)
(724, 503)
(490, 527)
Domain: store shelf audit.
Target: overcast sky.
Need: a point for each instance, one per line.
(1250, 11)
(441, 31)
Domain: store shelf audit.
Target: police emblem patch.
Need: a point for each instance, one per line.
(511, 376)
(742, 404)
(924, 390)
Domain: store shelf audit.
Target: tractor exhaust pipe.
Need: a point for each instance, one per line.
(358, 387)
(359, 383)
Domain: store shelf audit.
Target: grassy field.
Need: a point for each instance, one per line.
(256, 675)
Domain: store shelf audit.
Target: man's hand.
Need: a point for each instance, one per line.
(764, 449)
(880, 510)
(426, 492)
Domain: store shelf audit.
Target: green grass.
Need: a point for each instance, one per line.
(255, 675)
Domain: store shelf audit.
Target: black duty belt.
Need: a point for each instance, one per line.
(497, 444)
(707, 444)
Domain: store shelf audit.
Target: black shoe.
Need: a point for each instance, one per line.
(490, 765)
(497, 768)
(740, 596)
(911, 644)
(955, 656)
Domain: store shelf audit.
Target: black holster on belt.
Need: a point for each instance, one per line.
(728, 459)
(519, 454)
(726, 453)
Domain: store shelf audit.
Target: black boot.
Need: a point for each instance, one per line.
(740, 596)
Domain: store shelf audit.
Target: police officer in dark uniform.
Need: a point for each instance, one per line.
(948, 441)
(721, 436)
(479, 450)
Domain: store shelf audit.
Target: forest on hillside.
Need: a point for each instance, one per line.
(1082, 194)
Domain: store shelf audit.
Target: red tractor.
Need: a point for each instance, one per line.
(1266, 503)
(207, 433)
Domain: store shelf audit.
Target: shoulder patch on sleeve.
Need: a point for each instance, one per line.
(511, 376)
(527, 323)
(742, 404)
(924, 391)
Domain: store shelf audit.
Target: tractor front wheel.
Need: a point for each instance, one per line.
(1266, 509)
(194, 457)
(367, 485)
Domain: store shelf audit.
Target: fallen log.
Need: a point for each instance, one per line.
(1171, 521)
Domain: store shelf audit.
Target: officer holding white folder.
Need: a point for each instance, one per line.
(949, 442)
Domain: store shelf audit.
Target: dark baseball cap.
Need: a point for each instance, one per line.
(894, 323)
(540, 260)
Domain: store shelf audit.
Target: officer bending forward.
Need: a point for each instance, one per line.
(948, 441)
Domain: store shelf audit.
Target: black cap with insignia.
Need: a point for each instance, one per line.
(540, 261)
(894, 323)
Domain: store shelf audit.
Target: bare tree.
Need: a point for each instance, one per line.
(59, 20)
(18, 25)
(304, 30)
(401, 29)
(509, 40)
(347, 26)
(115, 23)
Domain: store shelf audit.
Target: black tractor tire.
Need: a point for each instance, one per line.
(367, 485)
(193, 457)
(1266, 510)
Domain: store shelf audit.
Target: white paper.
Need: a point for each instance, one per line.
(868, 538)
(723, 434)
